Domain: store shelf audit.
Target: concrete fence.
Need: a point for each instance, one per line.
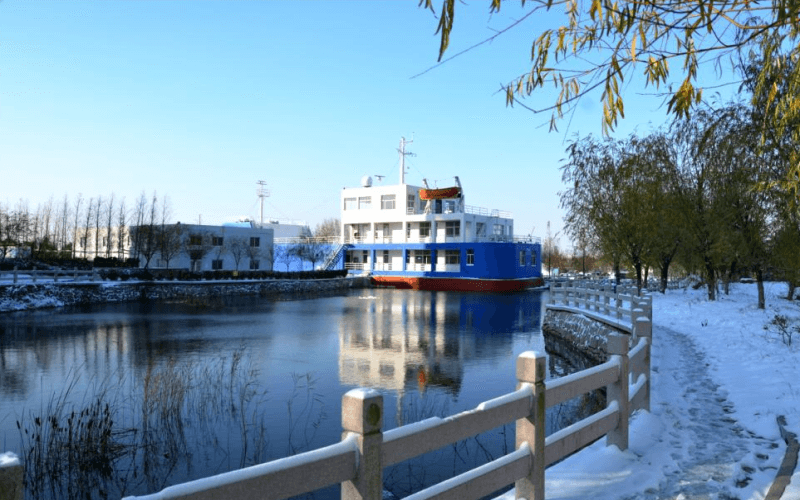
(358, 460)
(53, 274)
(615, 305)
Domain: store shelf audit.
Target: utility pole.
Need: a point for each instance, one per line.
(262, 193)
(403, 154)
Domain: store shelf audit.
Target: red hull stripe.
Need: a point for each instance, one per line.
(457, 284)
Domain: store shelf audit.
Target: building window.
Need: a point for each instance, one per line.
(424, 229)
(255, 242)
(422, 257)
(216, 241)
(452, 257)
(364, 202)
(522, 257)
(452, 228)
(350, 204)
(408, 230)
(253, 264)
(470, 257)
(533, 257)
(83, 241)
(387, 202)
(216, 264)
(480, 229)
(386, 257)
(195, 240)
(499, 230)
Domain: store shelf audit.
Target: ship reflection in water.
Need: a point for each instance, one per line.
(401, 341)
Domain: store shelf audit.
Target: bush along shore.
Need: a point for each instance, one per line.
(24, 296)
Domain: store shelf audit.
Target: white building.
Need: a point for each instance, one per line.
(204, 248)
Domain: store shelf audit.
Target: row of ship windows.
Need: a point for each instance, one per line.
(388, 202)
(451, 257)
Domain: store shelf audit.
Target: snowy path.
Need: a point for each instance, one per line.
(710, 455)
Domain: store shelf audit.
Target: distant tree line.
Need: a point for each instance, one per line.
(77, 228)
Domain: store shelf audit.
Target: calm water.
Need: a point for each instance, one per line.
(254, 379)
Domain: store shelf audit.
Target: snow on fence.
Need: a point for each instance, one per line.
(357, 461)
(55, 274)
(612, 304)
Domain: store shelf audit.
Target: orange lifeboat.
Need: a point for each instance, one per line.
(440, 194)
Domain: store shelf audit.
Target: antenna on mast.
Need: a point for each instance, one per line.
(403, 154)
(262, 193)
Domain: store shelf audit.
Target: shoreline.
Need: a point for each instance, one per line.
(30, 296)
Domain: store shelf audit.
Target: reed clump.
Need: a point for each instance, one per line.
(179, 420)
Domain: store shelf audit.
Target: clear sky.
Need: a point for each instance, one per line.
(199, 100)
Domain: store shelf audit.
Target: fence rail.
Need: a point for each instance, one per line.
(54, 274)
(604, 302)
(358, 460)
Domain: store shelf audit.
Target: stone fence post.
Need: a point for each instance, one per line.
(10, 477)
(618, 391)
(362, 414)
(643, 329)
(532, 369)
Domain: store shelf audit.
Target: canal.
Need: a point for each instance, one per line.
(120, 399)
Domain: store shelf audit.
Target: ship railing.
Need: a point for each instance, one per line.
(300, 240)
(383, 266)
(419, 267)
(502, 214)
(355, 266)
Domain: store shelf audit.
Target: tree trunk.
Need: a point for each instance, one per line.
(712, 280)
(760, 283)
(664, 277)
(792, 286)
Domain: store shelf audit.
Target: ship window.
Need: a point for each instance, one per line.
(452, 257)
(452, 228)
(480, 229)
(364, 202)
(424, 229)
(522, 257)
(253, 264)
(216, 264)
(386, 257)
(533, 258)
(387, 202)
(422, 256)
(350, 204)
(408, 230)
(499, 230)
(470, 257)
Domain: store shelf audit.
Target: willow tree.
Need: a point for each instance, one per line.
(600, 43)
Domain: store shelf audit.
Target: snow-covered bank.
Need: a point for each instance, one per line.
(719, 382)
(34, 296)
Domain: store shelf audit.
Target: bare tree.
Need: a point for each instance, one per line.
(328, 228)
(238, 248)
(109, 219)
(87, 226)
(170, 237)
(122, 229)
(75, 227)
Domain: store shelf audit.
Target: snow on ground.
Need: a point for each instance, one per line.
(720, 380)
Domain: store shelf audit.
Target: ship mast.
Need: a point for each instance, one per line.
(403, 154)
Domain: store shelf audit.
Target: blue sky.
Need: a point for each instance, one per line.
(199, 100)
